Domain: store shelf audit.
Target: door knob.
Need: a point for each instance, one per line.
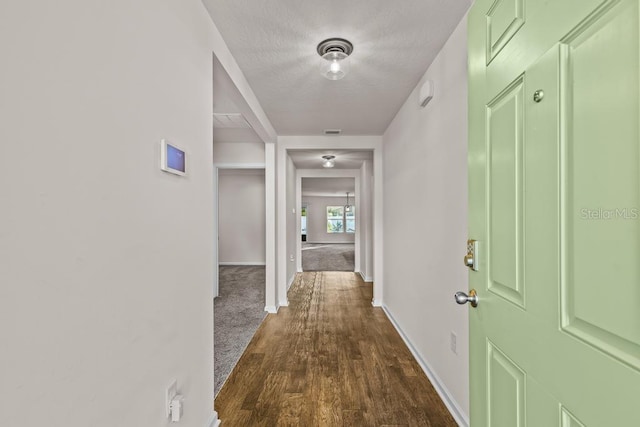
(462, 298)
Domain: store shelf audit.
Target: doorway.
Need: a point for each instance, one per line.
(240, 296)
(330, 224)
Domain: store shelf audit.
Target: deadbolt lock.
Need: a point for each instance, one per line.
(471, 258)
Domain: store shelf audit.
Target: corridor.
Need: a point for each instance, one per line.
(329, 359)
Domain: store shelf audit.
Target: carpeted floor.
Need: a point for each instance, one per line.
(328, 257)
(238, 312)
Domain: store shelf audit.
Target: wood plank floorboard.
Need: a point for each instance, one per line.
(329, 359)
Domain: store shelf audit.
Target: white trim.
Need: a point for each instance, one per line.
(454, 408)
(365, 278)
(239, 165)
(213, 420)
(256, 263)
(271, 309)
(291, 280)
(322, 242)
(271, 267)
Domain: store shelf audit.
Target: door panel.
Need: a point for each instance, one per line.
(504, 190)
(554, 198)
(504, 19)
(505, 390)
(601, 177)
(568, 420)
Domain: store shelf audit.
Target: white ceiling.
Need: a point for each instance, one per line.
(345, 159)
(329, 187)
(226, 98)
(274, 43)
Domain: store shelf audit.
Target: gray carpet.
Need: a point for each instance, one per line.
(238, 312)
(328, 257)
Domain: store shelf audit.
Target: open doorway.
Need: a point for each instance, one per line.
(328, 242)
(239, 305)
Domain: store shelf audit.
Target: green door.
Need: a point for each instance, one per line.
(554, 193)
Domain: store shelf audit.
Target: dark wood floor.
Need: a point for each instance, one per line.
(329, 359)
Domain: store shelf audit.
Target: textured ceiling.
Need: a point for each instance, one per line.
(345, 159)
(274, 43)
(224, 94)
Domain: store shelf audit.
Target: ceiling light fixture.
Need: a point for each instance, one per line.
(335, 57)
(329, 161)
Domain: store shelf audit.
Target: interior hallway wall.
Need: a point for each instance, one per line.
(292, 213)
(317, 220)
(238, 152)
(241, 217)
(425, 220)
(106, 261)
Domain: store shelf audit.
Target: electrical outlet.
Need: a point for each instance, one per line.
(454, 343)
(170, 393)
(291, 258)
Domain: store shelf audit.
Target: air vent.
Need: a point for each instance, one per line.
(332, 131)
(230, 120)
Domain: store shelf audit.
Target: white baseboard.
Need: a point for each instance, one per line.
(291, 281)
(458, 414)
(376, 303)
(284, 303)
(213, 420)
(242, 263)
(271, 309)
(365, 278)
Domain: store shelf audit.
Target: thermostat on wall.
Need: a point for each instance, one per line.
(172, 159)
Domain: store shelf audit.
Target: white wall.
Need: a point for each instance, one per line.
(292, 214)
(317, 220)
(366, 221)
(105, 268)
(425, 225)
(238, 152)
(241, 216)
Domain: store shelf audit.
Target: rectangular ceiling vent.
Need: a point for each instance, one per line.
(332, 131)
(230, 120)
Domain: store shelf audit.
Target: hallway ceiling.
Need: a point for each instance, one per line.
(329, 187)
(274, 43)
(226, 98)
(345, 159)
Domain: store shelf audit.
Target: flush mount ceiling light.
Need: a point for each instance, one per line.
(328, 161)
(335, 57)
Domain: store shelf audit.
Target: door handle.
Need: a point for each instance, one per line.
(462, 298)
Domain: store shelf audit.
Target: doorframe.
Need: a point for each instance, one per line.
(328, 174)
(216, 221)
(369, 143)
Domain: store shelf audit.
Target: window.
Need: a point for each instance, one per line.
(303, 220)
(338, 220)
